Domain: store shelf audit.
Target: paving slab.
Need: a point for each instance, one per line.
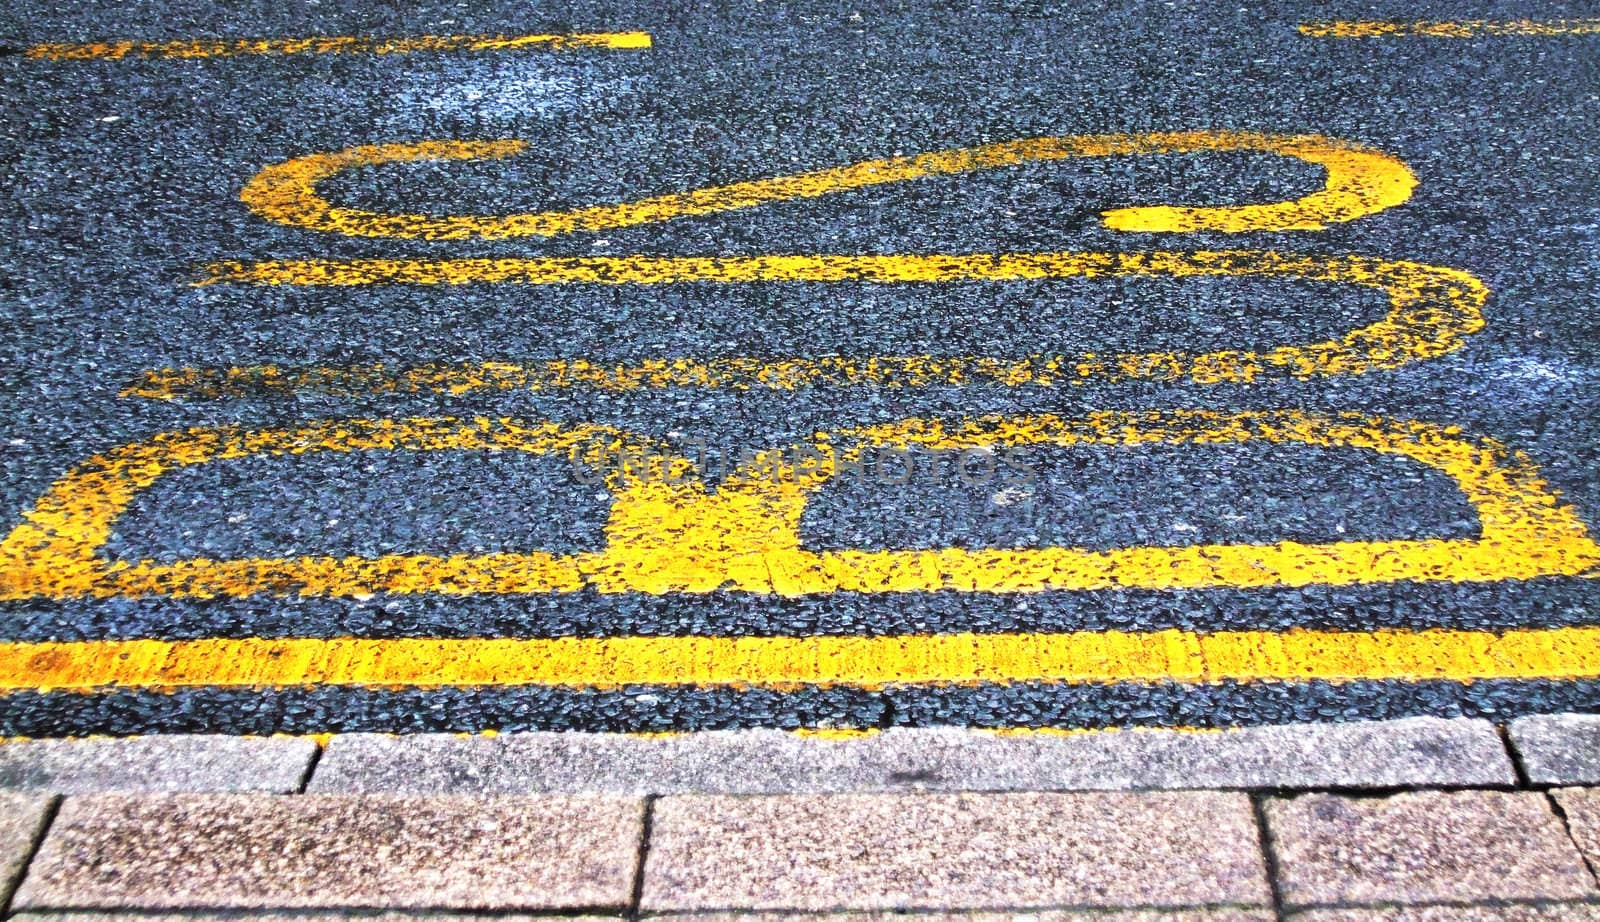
(113, 916)
(1413, 752)
(1558, 748)
(1423, 847)
(197, 763)
(1133, 915)
(1546, 912)
(21, 820)
(215, 851)
(1582, 809)
(954, 851)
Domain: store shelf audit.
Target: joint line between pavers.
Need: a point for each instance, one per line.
(37, 842)
(1355, 792)
(311, 766)
(1269, 857)
(646, 825)
(1524, 780)
(1566, 826)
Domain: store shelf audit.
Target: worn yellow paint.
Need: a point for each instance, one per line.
(664, 536)
(834, 733)
(1360, 181)
(1432, 309)
(330, 44)
(321, 739)
(1461, 28)
(1100, 731)
(869, 662)
(54, 552)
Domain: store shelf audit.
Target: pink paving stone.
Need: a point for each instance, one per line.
(264, 851)
(1423, 847)
(954, 851)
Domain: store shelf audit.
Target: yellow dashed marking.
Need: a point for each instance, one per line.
(1360, 181)
(664, 536)
(1462, 28)
(868, 662)
(331, 44)
(1432, 309)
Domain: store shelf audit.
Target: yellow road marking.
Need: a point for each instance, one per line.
(1462, 28)
(330, 44)
(664, 536)
(1432, 309)
(868, 662)
(1360, 181)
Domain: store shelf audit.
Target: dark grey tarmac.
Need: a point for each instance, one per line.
(120, 181)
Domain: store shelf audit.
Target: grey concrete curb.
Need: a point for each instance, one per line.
(1558, 748)
(1416, 752)
(157, 764)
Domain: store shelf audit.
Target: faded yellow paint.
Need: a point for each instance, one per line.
(321, 739)
(1100, 731)
(1461, 28)
(867, 662)
(664, 536)
(827, 733)
(1432, 309)
(330, 44)
(1360, 181)
(55, 551)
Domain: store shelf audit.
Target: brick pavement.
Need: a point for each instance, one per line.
(1405, 821)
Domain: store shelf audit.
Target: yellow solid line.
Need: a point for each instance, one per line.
(1463, 28)
(868, 662)
(330, 44)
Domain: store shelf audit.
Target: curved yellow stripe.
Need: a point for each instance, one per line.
(675, 535)
(1360, 181)
(869, 662)
(1432, 309)
(330, 44)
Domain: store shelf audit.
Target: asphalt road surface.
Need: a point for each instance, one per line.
(795, 365)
